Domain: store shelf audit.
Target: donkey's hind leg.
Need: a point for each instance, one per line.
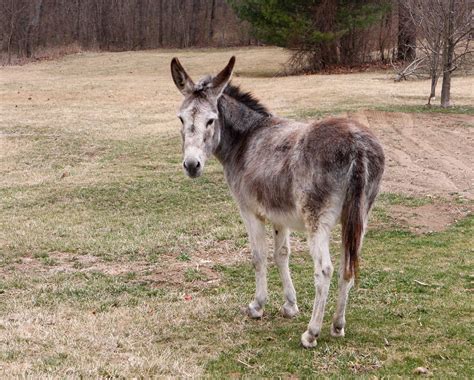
(323, 269)
(258, 245)
(281, 255)
(344, 285)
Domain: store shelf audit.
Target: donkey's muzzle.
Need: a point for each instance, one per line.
(192, 167)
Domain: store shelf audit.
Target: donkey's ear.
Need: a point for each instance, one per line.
(181, 79)
(222, 79)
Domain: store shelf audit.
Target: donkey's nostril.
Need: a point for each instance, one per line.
(184, 164)
(198, 164)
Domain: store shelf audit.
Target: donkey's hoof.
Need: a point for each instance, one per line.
(255, 312)
(308, 340)
(289, 311)
(337, 332)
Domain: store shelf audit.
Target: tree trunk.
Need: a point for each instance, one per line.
(328, 53)
(434, 75)
(11, 31)
(33, 28)
(160, 24)
(448, 57)
(77, 28)
(406, 34)
(141, 24)
(434, 82)
(194, 40)
(211, 21)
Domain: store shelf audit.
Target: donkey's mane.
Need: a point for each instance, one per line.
(246, 98)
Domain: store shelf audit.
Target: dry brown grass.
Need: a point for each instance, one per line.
(122, 95)
(118, 96)
(148, 339)
(94, 209)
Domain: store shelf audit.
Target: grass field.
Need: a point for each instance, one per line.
(113, 263)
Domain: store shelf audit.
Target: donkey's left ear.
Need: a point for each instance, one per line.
(222, 79)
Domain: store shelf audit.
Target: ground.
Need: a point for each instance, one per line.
(113, 263)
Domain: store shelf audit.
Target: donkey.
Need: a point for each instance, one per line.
(296, 176)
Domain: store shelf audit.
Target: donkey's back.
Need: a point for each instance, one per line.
(292, 173)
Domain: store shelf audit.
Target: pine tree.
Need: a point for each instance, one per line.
(321, 32)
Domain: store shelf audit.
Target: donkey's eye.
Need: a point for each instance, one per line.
(181, 119)
(209, 122)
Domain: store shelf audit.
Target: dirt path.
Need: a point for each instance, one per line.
(427, 154)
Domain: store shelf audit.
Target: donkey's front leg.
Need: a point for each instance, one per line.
(319, 249)
(281, 237)
(256, 232)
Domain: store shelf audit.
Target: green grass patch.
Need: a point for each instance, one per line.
(132, 217)
(308, 113)
(192, 275)
(94, 291)
(410, 309)
(257, 73)
(404, 200)
(413, 291)
(465, 109)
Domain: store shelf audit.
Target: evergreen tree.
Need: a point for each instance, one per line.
(321, 32)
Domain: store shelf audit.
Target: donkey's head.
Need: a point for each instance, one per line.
(199, 114)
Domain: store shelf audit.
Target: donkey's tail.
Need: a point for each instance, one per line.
(353, 215)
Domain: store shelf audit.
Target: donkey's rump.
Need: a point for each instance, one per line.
(331, 148)
(332, 144)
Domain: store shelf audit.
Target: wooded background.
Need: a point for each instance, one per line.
(27, 26)
(30, 26)
(433, 36)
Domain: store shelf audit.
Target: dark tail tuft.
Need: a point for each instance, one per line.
(353, 217)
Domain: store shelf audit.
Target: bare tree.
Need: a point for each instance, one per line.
(427, 19)
(443, 37)
(456, 41)
(406, 33)
(12, 11)
(387, 32)
(33, 26)
(27, 26)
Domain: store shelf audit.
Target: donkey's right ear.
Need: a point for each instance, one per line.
(181, 79)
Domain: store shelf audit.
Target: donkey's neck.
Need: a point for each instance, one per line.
(237, 123)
